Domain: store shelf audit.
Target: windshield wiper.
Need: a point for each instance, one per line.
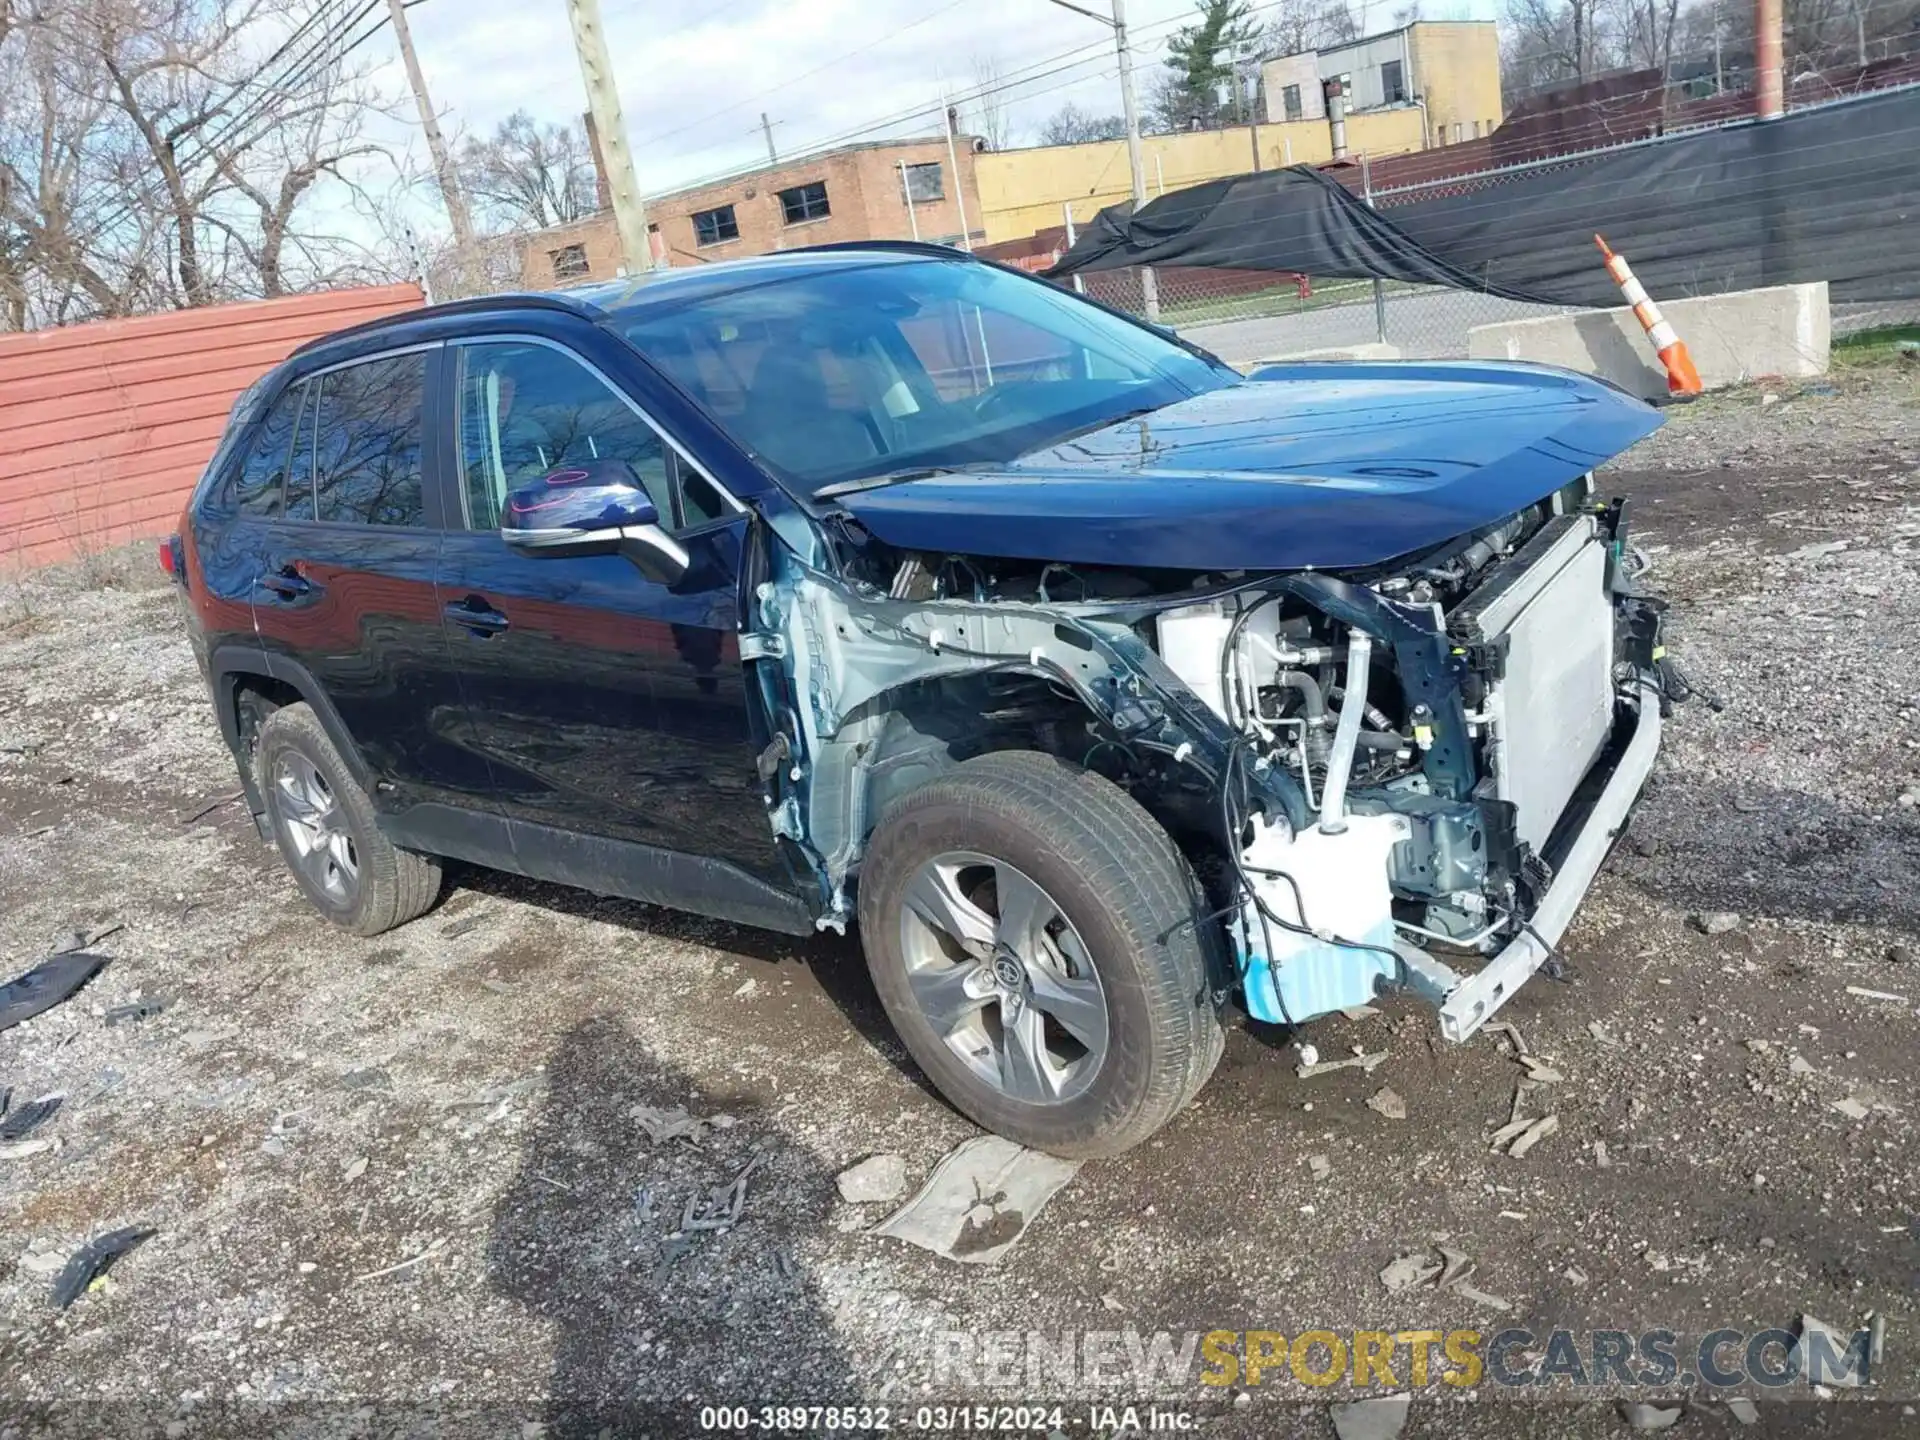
(1100, 424)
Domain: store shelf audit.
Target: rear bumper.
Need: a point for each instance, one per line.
(1466, 1002)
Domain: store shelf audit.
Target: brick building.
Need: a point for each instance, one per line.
(858, 192)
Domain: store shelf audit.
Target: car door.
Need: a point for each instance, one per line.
(345, 604)
(606, 703)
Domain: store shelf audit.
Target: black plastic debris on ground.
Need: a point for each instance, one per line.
(92, 1260)
(19, 1124)
(47, 985)
(137, 1010)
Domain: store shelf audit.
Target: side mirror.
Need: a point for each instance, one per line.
(597, 507)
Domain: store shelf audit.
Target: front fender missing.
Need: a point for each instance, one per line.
(830, 662)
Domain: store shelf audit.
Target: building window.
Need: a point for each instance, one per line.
(804, 202)
(924, 183)
(569, 262)
(1290, 100)
(715, 227)
(1393, 86)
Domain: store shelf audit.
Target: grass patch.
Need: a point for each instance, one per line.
(1878, 346)
(1275, 300)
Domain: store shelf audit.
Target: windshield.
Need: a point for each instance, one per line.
(847, 372)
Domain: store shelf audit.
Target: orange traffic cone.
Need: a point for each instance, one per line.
(1682, 378)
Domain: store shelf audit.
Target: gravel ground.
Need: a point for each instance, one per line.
(454, 1104)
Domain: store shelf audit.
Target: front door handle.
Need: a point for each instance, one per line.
(476, 615)
(286, 582)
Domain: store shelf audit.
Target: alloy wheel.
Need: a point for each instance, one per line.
(1003, 978)
(317, 827)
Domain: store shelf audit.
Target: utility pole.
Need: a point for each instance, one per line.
(1130, 107)
(603, 102)
(1253, 110)
(1769, 102)
(959, 190)
(766, 128)
(436, 142)
(913, 219)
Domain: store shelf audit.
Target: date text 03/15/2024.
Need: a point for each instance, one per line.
(943, 1419)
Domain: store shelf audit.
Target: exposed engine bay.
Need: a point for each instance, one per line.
(1373, 773)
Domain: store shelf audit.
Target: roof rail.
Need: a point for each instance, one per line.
(479, 304)
(911, 247)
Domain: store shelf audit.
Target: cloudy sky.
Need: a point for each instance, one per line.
(694, 75)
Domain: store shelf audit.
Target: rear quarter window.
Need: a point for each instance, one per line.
(258, 484)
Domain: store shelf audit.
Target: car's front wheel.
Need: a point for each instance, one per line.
(324, 825)
(1034, 936)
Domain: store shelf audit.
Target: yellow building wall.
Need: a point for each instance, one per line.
(1022, 191)
(1456, 70)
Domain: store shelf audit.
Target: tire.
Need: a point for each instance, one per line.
(324, 825)
(1125, 907)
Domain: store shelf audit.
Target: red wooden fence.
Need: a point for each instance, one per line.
(104, 428)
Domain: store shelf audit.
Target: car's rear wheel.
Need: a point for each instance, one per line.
(1033, 935)
(324, 825)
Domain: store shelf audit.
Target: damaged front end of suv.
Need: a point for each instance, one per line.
(1395, 755)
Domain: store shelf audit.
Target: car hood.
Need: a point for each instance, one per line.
(1322, 466)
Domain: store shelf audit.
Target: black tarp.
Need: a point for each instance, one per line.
(1295, 219)
(1831, 193)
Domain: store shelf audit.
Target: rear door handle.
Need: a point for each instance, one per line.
(287, 583)
(475, 614)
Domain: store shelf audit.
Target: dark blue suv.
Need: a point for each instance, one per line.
(1104, 686)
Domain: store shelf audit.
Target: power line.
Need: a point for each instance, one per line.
(309, 62)
(1098, 52)
(314, 60)
(805, 75)
(934, 108)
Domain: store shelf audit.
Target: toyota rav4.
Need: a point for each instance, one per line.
(1103, 687)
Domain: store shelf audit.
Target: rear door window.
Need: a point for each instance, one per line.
(368, 423)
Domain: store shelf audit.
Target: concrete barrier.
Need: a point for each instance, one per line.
(1372, 350)
(1782, 330)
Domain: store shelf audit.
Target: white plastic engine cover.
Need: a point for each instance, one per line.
(1556, 701)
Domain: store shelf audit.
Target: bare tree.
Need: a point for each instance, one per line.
(61, 172)
(1070, 125)
(1553, 42)
(988, 114)
(1646, 30)
(528, 176)
(165, 152)
(1301, 25)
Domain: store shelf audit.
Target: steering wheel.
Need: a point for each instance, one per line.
(989, 402)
